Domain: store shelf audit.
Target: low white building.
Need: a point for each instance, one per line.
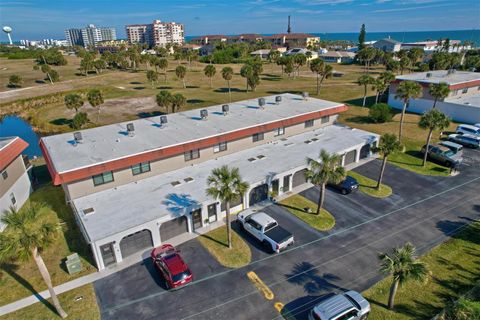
(432, 46)
(304, 51)
(461, 105)
(338, 56)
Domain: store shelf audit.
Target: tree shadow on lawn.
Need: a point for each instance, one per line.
(193, 101)
(225, 90)
(138, 88)
(11, 269)
(370, 101)
(62, 122)
(308, 276)
(150, 114)
(165, 88)
(360, 119)
(271, 79)
(225, 244)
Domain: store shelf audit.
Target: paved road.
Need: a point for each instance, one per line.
(422, 210)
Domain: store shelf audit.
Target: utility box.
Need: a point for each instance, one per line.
(73, 263)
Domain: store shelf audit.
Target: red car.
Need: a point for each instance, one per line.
(171, 266)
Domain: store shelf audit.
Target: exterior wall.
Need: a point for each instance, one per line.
(21, 189)
(14, 171)
(458, 112)
(84, 187)
(454, 93)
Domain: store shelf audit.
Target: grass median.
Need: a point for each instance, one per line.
(296, 205)
(368, 186)
(454, 271)
(216, 243)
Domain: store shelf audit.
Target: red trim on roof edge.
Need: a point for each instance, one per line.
(11, 151)
(61, 178)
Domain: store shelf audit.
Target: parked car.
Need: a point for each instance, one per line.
(170, 265)
(266, 230)
(443, 155)
(468, 140)
(349, 305)
(468, 129)
(348, 185)
(455, 147)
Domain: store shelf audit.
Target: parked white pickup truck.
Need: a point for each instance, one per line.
(266, 229)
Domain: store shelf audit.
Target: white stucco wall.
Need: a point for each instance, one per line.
(21, 190)
(457, 112)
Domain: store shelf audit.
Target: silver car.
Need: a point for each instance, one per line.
(349, 305)
(468, 140)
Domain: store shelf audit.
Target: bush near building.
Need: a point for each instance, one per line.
(380, 113)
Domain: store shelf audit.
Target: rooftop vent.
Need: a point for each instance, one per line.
(260, 157)
(429, 74)
(261, 102)
(305, 95)
(130, 129)
(225, 109)
(88, 211)
(77, 136)
(163, 120)
(314, 139)
(278, 99)
(308, 141)
(187, 180)
(252, 159)
(175, 183)
(204, 114)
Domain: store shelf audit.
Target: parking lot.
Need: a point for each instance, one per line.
(423, 210)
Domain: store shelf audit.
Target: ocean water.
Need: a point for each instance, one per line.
(411, 36)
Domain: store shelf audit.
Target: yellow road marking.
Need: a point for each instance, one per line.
(279, 306)
(261, 286)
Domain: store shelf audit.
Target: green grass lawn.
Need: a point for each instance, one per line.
(368, 186)
(454, 267)
(79, 303)
(21, 279)
(295, 205)
(216, 243)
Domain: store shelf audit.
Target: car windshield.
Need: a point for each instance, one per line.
(449, 153)
(270, 226)
(166, 254)
(180, 276)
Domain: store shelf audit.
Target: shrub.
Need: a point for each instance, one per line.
(380, 113)
(79, 120)
(15, 81)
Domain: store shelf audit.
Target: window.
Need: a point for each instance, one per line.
(465, 90)
(325, 119)
(309, 123)
(257, 137)
(103, 178)
(12, 198)
(280, 131)
(140, 168)
(192, 154)
(222, 146)
(5, 175)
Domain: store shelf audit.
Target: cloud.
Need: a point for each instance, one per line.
(323, 2)
(307, 11)
(413, 8)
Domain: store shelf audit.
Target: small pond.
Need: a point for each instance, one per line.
(15, 126)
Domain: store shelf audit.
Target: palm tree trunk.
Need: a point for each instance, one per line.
(393, 292)
(210, 82)
(434, 103)
(48, 281)
(364, 96)
(49, 78)
(98, 114)
(184, 85)
(426, 147)
(229, 91)
(380, 177)
(318, 88)
(321, 198)
(376, 97)
(229, 227)
(165, 75)
(400, 130)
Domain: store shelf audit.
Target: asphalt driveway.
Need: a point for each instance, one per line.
(422, 210)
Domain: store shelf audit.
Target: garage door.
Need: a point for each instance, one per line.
(136, 242)
(299, 178)
(173, 228)
(258, 194)
(350, 157)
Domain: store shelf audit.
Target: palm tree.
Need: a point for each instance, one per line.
(432, 120)
(152, 76)
(227, 74)
(327, 170)
(364, 81)
(273, 56)
(73, 101)
(177, 101)
(163, 65)
(246, 71)
(388, 144)
(319, 67)
(164, 99)
(382, 83)
(438, 91)
(95, 99)
(181, 71)
(406, 90)
(27, 233)
(226, 185)
(210, 71)
(403, 265)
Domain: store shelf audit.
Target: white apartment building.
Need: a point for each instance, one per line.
(90, 35)
(156, 34)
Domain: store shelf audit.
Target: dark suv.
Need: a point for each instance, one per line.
(347, 186)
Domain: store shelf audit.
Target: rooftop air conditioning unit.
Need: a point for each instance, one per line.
(130, 129)
(225, 109)
(278, 99)
(204, 114)
(77, 137)
(429, 74)
(163, 120)
(305, 95)
(261, 102)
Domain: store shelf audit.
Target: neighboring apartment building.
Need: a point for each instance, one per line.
(156, 34)
(89, 36)
(387, 45)
(291, 40)
(462, 104)
(15, 186)
(337, 56)
(138, 184)
(209, 39)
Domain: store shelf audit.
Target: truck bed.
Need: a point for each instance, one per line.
(278, 234)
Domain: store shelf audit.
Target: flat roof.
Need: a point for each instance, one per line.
(4, 141)
(127, 206)
(438, 76)
(111, 142)
(472, 101)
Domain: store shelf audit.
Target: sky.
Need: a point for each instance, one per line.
(39, 19)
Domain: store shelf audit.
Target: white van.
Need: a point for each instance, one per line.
(468, 129)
